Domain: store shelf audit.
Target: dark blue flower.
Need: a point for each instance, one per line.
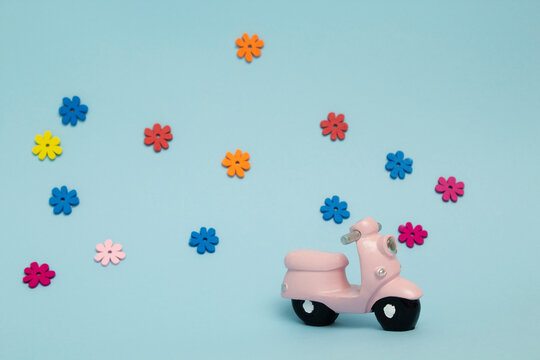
(398, 165)
(336, 209)
(62, 200)
(204, 240)
(72, 110)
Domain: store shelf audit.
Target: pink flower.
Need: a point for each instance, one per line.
(38, 274)
(411, 235)
(449, 188)
(109, 252)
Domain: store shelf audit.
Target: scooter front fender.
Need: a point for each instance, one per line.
(398, 287)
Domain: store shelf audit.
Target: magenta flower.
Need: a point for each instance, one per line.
(449, 188)
(109, 252)
(36, 274)
(410, 235)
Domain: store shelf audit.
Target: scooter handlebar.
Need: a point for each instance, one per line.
(351, 237)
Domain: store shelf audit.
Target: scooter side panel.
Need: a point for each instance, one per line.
(309, 285)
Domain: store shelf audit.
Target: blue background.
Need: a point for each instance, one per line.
(455, 86)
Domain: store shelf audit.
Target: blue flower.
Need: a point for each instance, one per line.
(336, 209)
(72, 111)
(397, 165)
(62, 200)
(204, 240)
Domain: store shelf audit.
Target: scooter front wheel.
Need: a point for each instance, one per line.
(314, 313)
(397, 314)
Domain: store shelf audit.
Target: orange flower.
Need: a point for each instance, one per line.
(249, 47)
(236, 163)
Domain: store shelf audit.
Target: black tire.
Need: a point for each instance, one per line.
(404, 317)
(314, 313)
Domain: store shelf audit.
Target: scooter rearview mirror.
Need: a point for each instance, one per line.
(351, 237)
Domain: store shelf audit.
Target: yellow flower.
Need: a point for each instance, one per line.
(47, 146)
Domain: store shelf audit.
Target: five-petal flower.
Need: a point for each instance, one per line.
(249, 47)
(47, 146)
(335, 126)
(36, 274)
(411, 235)
(109, 252)
(333, 208)
(72, 110)
(204, 240)
(158, 136)
(236, 163)
(63, 200)
(398, 165)
(450, 189)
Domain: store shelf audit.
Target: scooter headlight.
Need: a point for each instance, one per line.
(391, 244)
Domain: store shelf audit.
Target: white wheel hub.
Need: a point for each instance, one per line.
(389, 310)
(308, 306)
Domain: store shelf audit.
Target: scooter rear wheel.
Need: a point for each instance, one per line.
(314, 313)
(397, 314)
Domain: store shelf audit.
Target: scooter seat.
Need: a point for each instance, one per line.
(315, 260)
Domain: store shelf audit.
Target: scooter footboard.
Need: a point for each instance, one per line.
(312, 284)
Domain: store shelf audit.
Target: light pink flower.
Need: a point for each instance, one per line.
(450, 189)
(109, 252)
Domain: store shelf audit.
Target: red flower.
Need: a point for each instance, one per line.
(411, 235)
(38, 274)
(159, 137)
(450, 189)
(336, 126)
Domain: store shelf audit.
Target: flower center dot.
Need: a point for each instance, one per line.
(72, 110)
(110, 251)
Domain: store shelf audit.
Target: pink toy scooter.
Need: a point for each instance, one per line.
(318, 287)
